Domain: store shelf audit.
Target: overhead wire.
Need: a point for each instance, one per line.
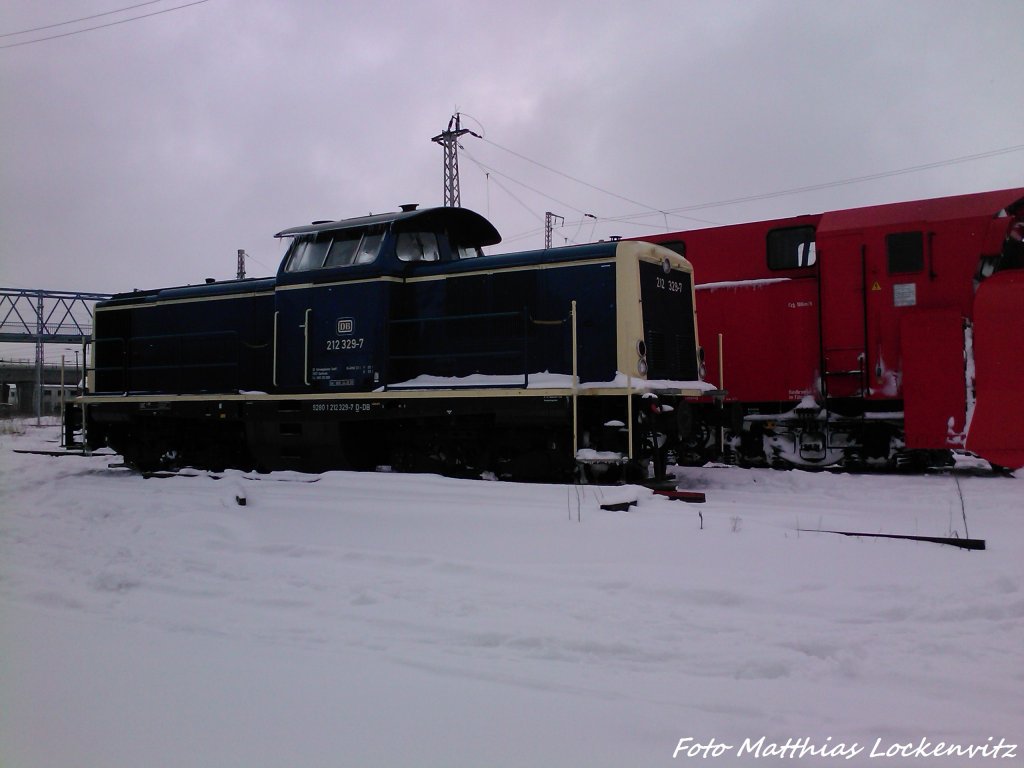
(852, 180)
(81, 18)
(490, 172)
(489, 169)
(104, 26)
(629, 219)
(588, 184)
(508, 192)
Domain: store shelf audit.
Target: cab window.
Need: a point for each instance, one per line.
(342, 251)
(368, 247)
(307, 253)
(417, 246)
(338, 249)
(466, 252)
(791, 248)
(905, 251)
(678, 246)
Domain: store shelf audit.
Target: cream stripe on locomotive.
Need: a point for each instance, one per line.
(639, 387)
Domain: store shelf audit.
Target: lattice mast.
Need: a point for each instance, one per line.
(550, 220)
(449, 139)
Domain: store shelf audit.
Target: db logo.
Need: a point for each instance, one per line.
(345, 325)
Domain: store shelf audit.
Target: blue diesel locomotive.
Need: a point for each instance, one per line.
(392, 341)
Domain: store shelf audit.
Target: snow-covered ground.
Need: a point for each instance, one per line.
(394, 620)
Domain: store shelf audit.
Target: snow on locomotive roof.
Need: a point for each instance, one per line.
(466, 227)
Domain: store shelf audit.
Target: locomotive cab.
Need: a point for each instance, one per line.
(329, 250)
(339, 285)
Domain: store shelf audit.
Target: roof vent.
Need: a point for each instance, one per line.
(409, 207)
(210, 280)
(321, 221)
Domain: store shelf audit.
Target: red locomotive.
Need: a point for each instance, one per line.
(885, 335)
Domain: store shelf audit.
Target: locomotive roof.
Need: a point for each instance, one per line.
(934, 209)
(977, 204)
(464, 226)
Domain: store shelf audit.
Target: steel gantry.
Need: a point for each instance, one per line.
(32, 315)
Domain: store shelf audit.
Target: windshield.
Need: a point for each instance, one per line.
(332, 249)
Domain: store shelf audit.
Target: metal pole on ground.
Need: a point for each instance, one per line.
(39, 358)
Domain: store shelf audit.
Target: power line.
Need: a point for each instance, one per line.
(103, 26)
(588, 184)
(852, 180)
(83, 18)
(750, 198)
(489, 169)
(625, 219)
(567, 176)
(508, 192)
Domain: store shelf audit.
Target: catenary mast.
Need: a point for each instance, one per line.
(449, 139)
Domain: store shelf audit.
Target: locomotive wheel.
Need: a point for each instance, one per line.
(692, 449)
(150, 456)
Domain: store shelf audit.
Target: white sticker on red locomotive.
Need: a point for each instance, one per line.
(904, 294)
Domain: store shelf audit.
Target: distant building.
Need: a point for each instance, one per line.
(18, 388)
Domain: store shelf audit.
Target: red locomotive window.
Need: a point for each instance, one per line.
(905, 251)
(791, 248)
(675, 245)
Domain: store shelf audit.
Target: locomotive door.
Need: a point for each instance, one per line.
(291, 339)
(841, 284)
(331, 338)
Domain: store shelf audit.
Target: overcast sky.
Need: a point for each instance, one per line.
(146, 153)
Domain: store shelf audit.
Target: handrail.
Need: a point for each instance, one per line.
(305, 354)
(273, 375)
(575, 384)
